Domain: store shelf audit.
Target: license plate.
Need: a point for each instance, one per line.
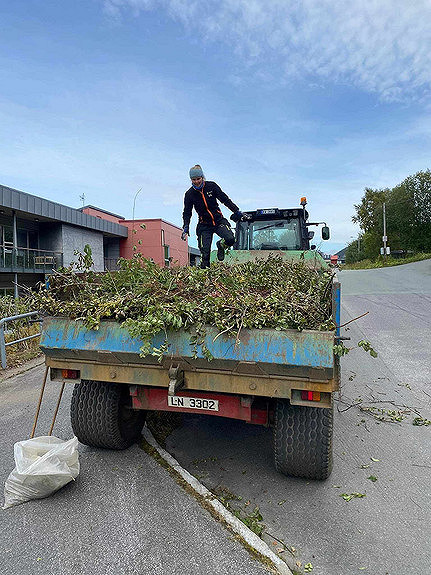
(193, 403)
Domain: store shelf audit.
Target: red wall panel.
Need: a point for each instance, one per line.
(156, 231)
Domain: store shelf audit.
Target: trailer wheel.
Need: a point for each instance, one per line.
(101, 416)
(303, 440)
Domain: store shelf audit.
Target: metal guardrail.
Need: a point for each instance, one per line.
(3, 343)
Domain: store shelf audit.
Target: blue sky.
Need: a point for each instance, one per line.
(276, 99)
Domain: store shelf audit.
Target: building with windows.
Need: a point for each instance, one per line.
(38, 235)
(159, 241)
(154, 238)
(341, 256)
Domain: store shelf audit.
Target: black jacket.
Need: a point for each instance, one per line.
(205, 203)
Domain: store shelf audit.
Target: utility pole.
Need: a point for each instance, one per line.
(82, 198)
(359, 244)
(385, 238)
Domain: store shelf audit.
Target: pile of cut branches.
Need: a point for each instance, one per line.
(149, 299)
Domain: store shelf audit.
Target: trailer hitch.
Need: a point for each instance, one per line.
(176, 379)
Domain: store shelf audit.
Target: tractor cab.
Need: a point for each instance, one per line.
(276, 229)
(273, 230)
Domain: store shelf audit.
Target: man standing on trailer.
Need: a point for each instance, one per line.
(203, 196)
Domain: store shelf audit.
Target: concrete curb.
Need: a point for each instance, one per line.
(235, 524)
(10, 372)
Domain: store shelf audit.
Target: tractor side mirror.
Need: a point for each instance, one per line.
(325, 233)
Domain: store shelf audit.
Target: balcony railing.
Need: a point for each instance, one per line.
(26, 259)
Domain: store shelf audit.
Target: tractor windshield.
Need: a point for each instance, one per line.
(269, 235)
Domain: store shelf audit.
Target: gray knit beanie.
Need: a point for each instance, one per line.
(196, 172)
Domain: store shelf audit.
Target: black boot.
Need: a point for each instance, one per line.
(220, 250)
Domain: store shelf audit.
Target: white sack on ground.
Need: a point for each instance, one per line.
(42, 466)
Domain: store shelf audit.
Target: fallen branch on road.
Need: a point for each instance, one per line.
(354, 319)
(382, 414)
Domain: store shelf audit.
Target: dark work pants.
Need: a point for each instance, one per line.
(205, 234)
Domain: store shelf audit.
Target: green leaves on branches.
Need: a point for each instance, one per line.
(149, 299)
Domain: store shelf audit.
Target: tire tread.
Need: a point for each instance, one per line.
(303, 440)
(97, 419)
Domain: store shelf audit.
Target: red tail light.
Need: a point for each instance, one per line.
(310, 395)
(70, 374)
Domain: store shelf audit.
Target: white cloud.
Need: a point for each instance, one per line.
(381, 46)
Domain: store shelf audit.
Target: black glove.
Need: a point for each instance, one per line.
(185, 233)
(237, 216)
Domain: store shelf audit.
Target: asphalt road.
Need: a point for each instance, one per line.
(387, 531)
(124, 515)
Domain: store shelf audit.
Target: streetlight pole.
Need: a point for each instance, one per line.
(134, 202)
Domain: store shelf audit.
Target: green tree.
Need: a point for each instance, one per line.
(352, 253)
(371, 242)
(409, 213)
(399, 218)
(369, 211)
(408, 217)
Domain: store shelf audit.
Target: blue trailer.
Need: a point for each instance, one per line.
(284, 379)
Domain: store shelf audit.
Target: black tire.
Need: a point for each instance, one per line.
(303, 440)
(101, 416)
